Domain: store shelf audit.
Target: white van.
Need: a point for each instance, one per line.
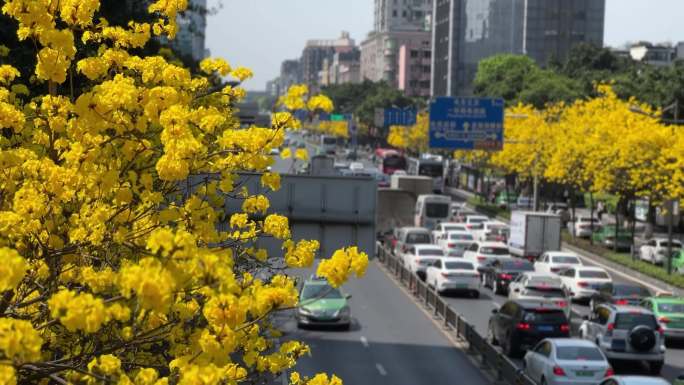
(432, 210)
(328, 144)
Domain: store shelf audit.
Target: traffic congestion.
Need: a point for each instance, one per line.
(561, 318)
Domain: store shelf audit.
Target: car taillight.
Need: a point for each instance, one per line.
(621, 302)
(445, 275)
(481, 258)
(451, 245)
(565, 328)
(469, 226)
(610, 327)
(609, 372)
(561, 303)
(664, 320)
(555, 269)
(661, 330)
(558, 371)
(583, 284)
(505, 276)
(522, 326)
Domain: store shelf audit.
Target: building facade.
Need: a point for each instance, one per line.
(343, 68)
(415, 63)
(380, 55)
(192, 25)
(402, 15)
(316, 51)
(467, 31)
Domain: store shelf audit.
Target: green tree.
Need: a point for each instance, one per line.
(504, 76)
(544, 87)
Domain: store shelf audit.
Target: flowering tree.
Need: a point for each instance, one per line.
(114, 268)
(413, 138)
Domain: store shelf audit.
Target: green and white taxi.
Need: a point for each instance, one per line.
(322, 305)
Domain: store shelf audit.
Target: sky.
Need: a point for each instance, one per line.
(260, 34)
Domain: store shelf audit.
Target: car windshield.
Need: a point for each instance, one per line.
(545, 316)
(494, 250)
(579, 353)
(454, 228)
(566, 260)
(458, 266)
(436, 210)
(477, 220)
(320, 291)
(394, 162)
(431, 170)
(517, 265)
(671, 307)
(631, 291)
(588, 220)
(430, 253)
(414, 238)
(461, 237)
(593, 274)
(630, 320)
(674, 245)
(329, 141)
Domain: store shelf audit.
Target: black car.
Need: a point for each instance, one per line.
(619, 294)
(520, 324)
(499, 274)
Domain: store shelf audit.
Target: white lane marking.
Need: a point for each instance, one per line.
(364, 342)
(381, 369)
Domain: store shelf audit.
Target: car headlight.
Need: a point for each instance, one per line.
(345, 312)
(304, 311)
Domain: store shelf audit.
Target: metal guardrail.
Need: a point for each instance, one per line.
(490, 358)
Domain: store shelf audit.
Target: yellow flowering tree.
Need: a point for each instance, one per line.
(412, 138)
(119, 263)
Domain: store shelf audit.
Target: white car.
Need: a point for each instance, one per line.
(456, 241)
(566, 361)
(483, 253)
(540, 286)
(655, 250)
(556, 261)
(634, 380)
(419, 257)
(488, 228)
(475, 222)
(582, 282)
(445, 227)
(453, 274)
(582, 225)
(407, 236)
(356, 166)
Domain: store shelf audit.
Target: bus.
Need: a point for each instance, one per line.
(429, 165)
(389, 161)
(328, 144)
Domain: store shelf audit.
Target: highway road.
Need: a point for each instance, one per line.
(392, 340)
(478, 311)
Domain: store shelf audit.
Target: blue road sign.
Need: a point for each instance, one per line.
(399, 117)
(324, 117)
(467, 123)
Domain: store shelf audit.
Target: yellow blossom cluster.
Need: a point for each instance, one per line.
(413, 138)
(121, 261)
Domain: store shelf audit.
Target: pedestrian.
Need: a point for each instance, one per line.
(600, 209)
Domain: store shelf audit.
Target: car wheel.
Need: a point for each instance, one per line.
(475, 294)
(654, 368)
(346, 327)
(543, 381)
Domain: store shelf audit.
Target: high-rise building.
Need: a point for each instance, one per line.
(467, 31)
(344, 68)
(316, 51)
(415, 68)
(380, 54)
(402, 15)
(192, 25)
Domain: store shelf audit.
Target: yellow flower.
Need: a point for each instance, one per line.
(286, 153)
(78, 311)
(242, 73)
(19, 340)
(7, 74)
(302, 154)
(7, 375)
(255, 204)
(12, 269)
(211, 65)
(342, 264)
(106, 364)
(277, 226)
(270, 180)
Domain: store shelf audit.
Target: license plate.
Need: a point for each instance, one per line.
(584, 373)
(545, 328)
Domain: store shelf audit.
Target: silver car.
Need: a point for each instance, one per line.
(626, 333)
(566, 361)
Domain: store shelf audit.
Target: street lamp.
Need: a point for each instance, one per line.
(671, 202)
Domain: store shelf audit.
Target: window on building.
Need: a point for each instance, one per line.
(403, 14)
(414, 53)
(427, 54)
(394, 13)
